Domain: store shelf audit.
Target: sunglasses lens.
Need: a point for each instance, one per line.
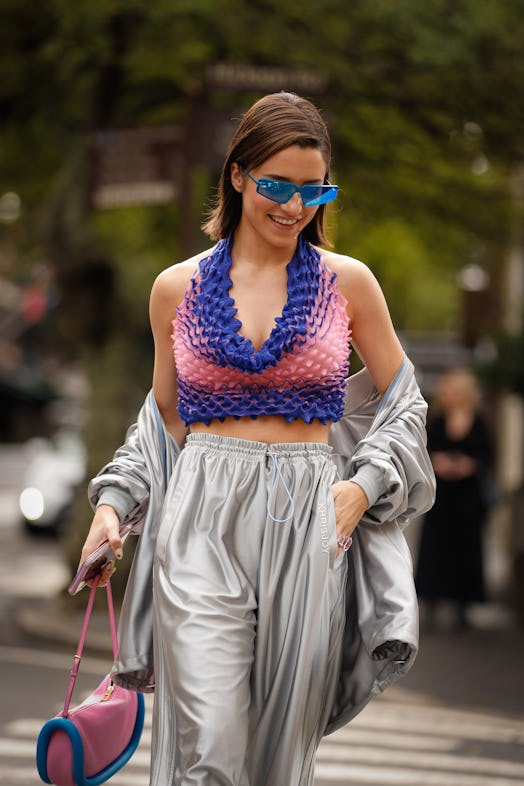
(281, 192)
(318, 195)
(276, 190)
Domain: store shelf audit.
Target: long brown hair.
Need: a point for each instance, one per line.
(273, 123)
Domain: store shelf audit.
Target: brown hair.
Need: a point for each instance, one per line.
(273, 123)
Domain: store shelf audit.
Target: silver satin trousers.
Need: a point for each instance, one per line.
(248, 614)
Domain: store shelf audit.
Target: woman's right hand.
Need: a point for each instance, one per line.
(105, 526)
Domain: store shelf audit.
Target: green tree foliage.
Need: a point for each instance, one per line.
(425, 101)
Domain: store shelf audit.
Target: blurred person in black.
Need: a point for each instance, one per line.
(450, 563)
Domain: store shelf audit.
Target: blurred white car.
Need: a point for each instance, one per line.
(53, 470)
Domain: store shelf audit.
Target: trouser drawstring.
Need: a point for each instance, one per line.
(277, 476)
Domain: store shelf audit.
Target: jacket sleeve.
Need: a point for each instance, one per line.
(124, 482)
(382, 447)
(146, 458)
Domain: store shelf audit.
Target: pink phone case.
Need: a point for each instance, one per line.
(95, 563)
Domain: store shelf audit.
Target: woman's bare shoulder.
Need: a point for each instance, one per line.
(172, 282)
(351, 273)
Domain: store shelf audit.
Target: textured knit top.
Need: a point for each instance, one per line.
(299, 372)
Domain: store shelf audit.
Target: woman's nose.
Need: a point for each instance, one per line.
(294, 204)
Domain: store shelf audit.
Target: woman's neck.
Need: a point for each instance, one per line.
(251, 247)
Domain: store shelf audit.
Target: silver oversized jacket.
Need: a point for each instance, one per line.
(381, 443)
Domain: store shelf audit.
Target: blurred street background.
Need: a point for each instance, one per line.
(114, 119)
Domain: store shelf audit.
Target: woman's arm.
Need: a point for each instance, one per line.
(375, 340)
(373, 334)
(167, 292)
(114, 501)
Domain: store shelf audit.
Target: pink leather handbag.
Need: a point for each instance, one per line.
(86, 745)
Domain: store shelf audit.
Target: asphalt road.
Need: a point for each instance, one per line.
(457, 719)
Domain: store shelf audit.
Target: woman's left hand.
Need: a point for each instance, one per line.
(350, 505)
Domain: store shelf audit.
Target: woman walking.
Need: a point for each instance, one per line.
(231, 476)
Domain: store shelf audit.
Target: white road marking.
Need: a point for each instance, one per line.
(440, 721)
(432, 761)
(387, 776)
(389, 744)
(20, 749)
(26, 775)
(398, 741)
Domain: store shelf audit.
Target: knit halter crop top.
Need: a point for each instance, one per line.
(299, 372)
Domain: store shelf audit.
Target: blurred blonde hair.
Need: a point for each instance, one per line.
(465, 382)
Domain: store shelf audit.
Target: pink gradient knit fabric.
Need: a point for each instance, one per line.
(299, 372)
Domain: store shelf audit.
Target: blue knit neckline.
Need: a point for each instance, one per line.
(218, 314)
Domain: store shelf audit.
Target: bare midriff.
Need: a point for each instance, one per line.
(266, 428)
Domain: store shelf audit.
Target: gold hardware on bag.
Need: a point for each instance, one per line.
(109, 691)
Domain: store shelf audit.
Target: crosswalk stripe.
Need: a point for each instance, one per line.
(432, 761)
(24, 727)
(388, 776)
(26, 775)
(20, 749)
(30, 727)
(386, 739)
(16, 748)
(443, 723)
(388, 744)
(349, 754)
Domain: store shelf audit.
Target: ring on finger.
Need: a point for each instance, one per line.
(345, 541)
(110, 567)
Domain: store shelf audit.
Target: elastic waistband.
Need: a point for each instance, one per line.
(257, 450)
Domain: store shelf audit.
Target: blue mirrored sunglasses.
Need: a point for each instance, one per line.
(281, 192)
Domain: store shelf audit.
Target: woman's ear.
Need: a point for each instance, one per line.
(237, 177)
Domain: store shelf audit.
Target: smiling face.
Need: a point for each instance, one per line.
(274, 124)
(267, 221)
